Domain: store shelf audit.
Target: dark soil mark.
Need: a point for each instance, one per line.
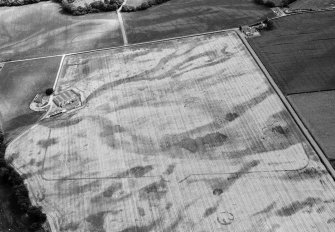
(154, 191)
(225, 184)
(112, 189)
(96, 221)
(307, 173)
(47, 142)
(168, 206)
(212, 140)
(147, 228)
(110, 130)
(296, 206)
(231, 116)
(66, 122)
(141, 211)
(332, 220)
(70, 227)
(138, 171)
(280, 130)
(217, 192)
(170, 169)
(267, 210)
(210, 211)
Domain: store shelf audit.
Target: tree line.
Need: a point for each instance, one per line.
(31, 215)
(18, 2)
(270, 3)
(143, 6)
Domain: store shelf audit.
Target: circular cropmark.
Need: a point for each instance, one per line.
(225, 218)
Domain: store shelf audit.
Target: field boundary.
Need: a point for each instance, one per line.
(129, 45)
(290, 109)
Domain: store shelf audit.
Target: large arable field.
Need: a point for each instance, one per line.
(184, 17)
(300, 52)
(183, 135)
(19, 83)
(312, 4)
(42, 29)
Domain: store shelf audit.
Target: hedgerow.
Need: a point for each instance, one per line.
(18, 2)
(94, 7)
(143, 6)
(20, 201)
(273, 3)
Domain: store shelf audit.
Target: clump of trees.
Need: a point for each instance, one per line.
(93, 7)
(20, 202)
(49, 91)
(18, 2)
(143, 6)
(269, 24)
(273, 3)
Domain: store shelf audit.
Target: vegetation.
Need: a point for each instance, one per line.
(143, 6)
(18, 2)
(269, 24)
(49, 91)
(93, 7)
(273, 3)
(32, 216)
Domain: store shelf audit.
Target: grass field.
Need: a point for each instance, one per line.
(25, 33)
(184, 135)
(317, 112)
(312, 4)
(19, 83)
(300, 52)
(184, 17)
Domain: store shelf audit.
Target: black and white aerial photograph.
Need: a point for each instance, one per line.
(167, 115)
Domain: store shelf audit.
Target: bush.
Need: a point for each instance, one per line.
(269, 4)
(49, 91)
(20, 195)
(260, 2)
(35, 214)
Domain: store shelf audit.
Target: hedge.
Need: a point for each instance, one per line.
(18, 2)
(143, 6)
(20, 196)
(269, 3)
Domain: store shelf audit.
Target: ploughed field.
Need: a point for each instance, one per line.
(182, 135)
(184, 17)
(43, 29)
(312, 4)
(300, 52)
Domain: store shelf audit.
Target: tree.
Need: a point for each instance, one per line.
(35, 214)
(49, 91)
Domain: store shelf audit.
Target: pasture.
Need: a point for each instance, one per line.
(317, 112)
(184, 17)
(182, 135)
(26, 34)
(312, 4)
(19, 83)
